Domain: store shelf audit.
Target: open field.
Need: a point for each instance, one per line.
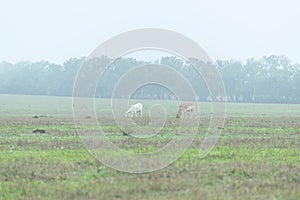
(257, 155)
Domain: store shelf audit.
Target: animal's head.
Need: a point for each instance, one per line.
(129, 113)
(177, 115)
(126, 114)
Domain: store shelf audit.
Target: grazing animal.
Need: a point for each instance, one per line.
(135, 110)
(186, 108)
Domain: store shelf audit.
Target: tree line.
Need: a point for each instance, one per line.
(270, 79)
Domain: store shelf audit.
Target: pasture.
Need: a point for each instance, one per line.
(256, 157)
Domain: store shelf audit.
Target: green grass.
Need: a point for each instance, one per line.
(257, 155)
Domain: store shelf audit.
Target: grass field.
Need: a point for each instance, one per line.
(256, 157)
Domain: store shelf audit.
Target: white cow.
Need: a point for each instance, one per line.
(186, 108)
(135, 110)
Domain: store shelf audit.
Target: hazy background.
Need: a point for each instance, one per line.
(57, 30)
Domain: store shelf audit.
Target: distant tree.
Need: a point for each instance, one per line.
(272, 79)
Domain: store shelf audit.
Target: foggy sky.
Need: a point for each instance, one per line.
(57, 30)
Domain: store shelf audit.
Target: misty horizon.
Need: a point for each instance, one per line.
(153, 59)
